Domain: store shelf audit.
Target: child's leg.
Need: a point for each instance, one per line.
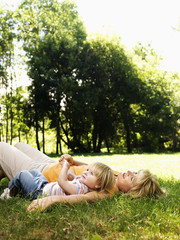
(27, 181)
(37, 174)
(22, 181)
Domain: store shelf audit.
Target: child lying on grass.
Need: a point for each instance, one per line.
(32, 183)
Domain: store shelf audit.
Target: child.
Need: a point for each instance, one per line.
(32, 183)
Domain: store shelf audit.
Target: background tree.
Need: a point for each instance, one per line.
(6, 43)
(52, 35)
(156, 118)
(7, 36)
(106, 85)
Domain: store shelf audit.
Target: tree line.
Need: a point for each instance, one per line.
(90, 91)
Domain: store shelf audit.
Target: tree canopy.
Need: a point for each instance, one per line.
(90, 91)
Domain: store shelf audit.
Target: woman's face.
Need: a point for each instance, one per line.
(126, 180)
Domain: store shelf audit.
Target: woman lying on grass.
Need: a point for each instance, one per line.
(137, 185)
(24, 157)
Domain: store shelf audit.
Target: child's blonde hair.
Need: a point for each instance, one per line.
(105, 176)
(147, 185)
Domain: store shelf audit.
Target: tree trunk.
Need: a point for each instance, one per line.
(37, 131)
(128, 142)
(27, 141)
(19, 134)
(11, 112)
(98, 149)
(2, 136)
(43, 135)
(57, 136)
(94, 136)
(126, 119)
(174, 138)
(11, 126)
(7, 123)
(60, 146)
(107, 144)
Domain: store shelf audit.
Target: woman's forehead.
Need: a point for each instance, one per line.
(137, 177)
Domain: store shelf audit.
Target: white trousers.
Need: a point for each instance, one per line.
(22, 156)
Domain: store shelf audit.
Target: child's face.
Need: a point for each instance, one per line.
(89, 179)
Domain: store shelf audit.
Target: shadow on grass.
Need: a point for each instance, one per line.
(53, 155)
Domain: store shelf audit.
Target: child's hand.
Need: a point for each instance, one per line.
(66, 157)
(66, 164)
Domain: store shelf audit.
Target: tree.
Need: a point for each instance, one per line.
(154, 116)
(52, 35)
(105, 83)
(6, 43)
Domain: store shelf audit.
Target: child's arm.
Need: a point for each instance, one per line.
(71, 175)
(66, 185)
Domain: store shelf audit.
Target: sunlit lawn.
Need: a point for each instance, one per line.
(116, 218)
(163, 165)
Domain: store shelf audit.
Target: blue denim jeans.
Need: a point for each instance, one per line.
(30, 182)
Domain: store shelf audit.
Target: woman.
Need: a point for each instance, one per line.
(133, 184)
(25, 157)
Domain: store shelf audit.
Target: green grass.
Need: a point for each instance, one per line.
(116, 218)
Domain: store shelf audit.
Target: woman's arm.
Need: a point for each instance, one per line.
(46, 202)
(71, 160)
(78, 163)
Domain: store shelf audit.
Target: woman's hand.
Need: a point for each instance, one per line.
(39, 204)
(66, 157)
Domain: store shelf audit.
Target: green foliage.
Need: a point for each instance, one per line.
(13, 104)
(7, 36)
(105, 76)
(158, 111)
(90, 91)
(51, 45)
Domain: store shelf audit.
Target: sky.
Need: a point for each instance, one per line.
(145, 21)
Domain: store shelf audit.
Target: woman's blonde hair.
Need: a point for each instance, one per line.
(147, 185)
(105, 176)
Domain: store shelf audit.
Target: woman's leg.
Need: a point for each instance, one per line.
(13, 161)
(33, 153)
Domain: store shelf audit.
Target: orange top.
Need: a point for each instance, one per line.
(52, 173)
